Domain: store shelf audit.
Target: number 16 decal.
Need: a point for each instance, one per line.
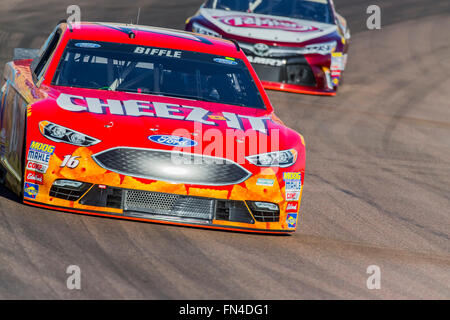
(70, 162)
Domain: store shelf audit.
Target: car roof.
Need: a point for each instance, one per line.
(152, 36)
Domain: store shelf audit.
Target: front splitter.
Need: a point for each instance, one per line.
(207, 225)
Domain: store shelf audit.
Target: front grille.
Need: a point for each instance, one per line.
(269, 73)
(171, 166)
(102, 196)
(230, 210)
(167, 206)
(68, 193)
(266, 216)
(296, 73)
(300, 74)
(281, 64)
(156, 203)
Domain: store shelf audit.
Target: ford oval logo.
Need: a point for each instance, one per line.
(173, 141)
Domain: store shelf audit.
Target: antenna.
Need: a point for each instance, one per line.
(139, 13)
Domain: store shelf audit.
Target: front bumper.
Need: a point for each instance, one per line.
(165, 208)
(295, 74)
(111, 194)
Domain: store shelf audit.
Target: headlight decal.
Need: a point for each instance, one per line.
(59, 133)
(280, 159)
(198, 28)
(320, 48)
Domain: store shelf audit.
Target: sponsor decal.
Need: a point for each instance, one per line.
(158, 52)
(292, 220)
(42, 147)
(265, 182)
(88, 45)
(292, 207)
(244, 21)
(292, 195)
(328, 78)
(38, 167)
(267, 61)
(31, 190)
(173, 141)
(137, 108)
(40, 152)
(293, 181)
(335, 74)
(226, 61)
(292, 176)
(337, 63)
(35, 177)
(37, 156)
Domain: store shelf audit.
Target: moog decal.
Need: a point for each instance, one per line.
(40, 152)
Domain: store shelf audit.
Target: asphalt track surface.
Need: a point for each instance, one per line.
(377, 189)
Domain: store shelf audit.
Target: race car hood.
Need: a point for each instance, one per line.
(129, 120)
(266, 27)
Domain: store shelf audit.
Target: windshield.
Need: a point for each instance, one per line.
(315, 10)
(159, 71)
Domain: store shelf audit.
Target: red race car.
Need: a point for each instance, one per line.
(148, 124)
(294, 45)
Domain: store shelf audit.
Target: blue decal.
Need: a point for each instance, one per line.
(292, 220)
(31, 190)
(226, 61)
(173, 141)
(89, 45)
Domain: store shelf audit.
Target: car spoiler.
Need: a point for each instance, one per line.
(22, 54)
